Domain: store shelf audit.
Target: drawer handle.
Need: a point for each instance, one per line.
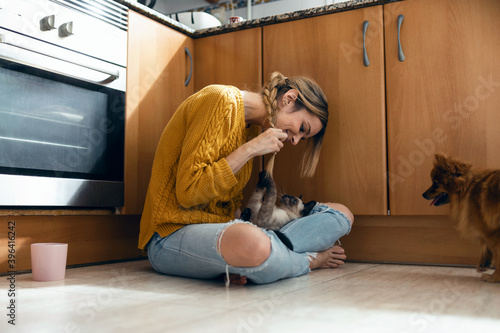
(191, 71)
(366, 61)
(400, 49)
(38, 57)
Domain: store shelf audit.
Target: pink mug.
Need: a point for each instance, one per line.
(48, 261)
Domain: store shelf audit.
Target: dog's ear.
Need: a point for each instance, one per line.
(461, 168)
(440, 160)
(451, 166)
(441, 163)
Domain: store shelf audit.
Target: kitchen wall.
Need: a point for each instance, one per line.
(259, 9)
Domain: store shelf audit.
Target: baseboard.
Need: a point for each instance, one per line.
(409, 239)
(91, 239)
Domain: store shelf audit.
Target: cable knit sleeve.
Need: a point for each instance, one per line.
(214, 125)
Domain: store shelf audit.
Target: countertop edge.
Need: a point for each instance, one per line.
(286, 17)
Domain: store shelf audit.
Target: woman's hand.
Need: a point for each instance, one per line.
(270, 141)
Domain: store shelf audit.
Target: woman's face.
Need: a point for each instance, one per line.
(298, 124)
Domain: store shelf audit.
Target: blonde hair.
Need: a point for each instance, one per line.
(310, 97)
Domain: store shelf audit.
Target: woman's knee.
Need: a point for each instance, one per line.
(244, 245)
(343, 209)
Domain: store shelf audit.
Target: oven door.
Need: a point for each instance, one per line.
(61, 126)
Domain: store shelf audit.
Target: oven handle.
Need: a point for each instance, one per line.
(113, 75)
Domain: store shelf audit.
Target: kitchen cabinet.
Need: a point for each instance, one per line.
(233, 58)
(158, 67)
(444, 97)
(386, 120)
(329, 49)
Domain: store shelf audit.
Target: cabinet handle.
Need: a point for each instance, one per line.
(191, 71)
(40, 57)
(365, 55)
(400, 50)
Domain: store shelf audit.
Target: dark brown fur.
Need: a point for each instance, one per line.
(474, 198)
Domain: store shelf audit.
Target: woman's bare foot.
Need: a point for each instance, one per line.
(330, 258)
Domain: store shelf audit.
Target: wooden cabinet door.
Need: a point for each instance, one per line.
(444, 97)
(233, 58)
(329, 49)
(158, 67)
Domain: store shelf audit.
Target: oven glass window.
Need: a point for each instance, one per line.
(55, 127)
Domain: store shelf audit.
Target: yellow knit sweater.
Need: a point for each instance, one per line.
(191, 181)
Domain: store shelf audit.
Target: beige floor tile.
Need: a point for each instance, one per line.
(359, 297)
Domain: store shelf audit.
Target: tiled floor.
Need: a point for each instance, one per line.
(131, 297)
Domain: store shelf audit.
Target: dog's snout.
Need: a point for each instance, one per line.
(428, 194)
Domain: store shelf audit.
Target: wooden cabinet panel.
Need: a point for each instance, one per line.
(329, 49)
(444, 97)
(233, 58)
(157, 69)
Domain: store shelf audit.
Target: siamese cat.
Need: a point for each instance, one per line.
(263, 211)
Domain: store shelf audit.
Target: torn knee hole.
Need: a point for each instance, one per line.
(223, 230)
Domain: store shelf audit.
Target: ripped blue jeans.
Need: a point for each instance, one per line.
(193, 250)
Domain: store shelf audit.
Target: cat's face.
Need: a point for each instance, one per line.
(295, 205)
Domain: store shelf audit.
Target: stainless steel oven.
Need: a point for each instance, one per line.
(62, 103)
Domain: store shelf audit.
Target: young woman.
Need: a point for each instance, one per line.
(203, 162)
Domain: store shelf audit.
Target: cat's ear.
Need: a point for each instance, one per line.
(300, 197)
(308, 207)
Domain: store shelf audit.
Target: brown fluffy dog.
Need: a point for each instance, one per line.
(474, 198)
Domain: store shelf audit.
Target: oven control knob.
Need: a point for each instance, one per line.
(66, 29)
(48, 23)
